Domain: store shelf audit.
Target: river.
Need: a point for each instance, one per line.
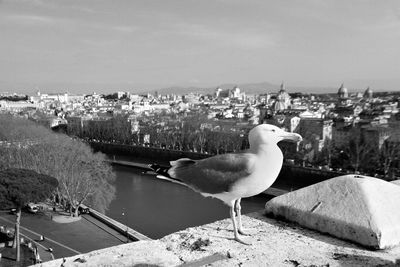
(157, 208)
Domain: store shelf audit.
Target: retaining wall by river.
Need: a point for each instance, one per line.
(121, 228)
(145, 152)
(291, 176)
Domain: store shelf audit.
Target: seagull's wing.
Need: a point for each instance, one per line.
(215, 174)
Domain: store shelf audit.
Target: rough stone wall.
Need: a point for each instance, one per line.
(273, 243)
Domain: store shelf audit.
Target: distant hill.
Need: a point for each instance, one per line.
(249, 88)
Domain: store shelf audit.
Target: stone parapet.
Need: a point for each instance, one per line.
(273, 243)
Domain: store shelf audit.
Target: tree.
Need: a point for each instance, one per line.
(328, 153)
(235, 142)
(201, 140)
(84, 176)
(16, 129)
(19, 187)
(213, 142)
(359, 152)
(121, 128)
(387, 156)
(80, 172)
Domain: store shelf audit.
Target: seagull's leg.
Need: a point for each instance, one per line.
(238, 210)
(235, 229)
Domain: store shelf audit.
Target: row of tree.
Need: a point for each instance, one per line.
(83, 176)
(358, 155)
(202, 141)
(187, 135)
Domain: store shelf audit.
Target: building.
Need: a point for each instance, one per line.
(288, 122)
(17, 106)
(316, 130)
(60, 97)
(368, 94)
(343, 96)
(230, 94)
(375, 136)
(342, 135)
(282, 101)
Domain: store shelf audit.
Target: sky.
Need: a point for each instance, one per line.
(80, 45)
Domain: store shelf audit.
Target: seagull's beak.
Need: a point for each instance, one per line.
(294, 137)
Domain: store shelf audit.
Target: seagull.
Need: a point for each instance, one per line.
(233, 176)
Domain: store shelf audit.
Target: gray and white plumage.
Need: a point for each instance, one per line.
(230, 177)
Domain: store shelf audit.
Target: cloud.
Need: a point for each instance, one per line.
(33, 2)
(33, 20)
(253, 40)
(55, 5)
(194, 81)
(240, 38)
(391, 21)
(123, 28)
(100, 43)
(29, 19)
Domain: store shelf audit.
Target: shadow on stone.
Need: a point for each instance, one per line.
(145, 265)
(345, 259)
(300, 230)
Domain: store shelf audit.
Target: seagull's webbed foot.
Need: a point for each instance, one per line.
(238, 239)
(247, 231)
(242, 232)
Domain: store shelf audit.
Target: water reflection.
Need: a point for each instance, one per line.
(157, 208)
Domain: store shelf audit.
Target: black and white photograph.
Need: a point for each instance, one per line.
(199, 133)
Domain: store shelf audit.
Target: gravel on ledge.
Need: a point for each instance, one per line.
(273, 243)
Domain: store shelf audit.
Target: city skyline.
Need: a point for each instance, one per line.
(100, 45)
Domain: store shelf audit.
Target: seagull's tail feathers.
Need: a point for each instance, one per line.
(178, 164)
(182, 162)
(162, 177)
(162, 173)
(160, 170)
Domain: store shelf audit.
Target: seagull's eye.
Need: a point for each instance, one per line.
(273, 130)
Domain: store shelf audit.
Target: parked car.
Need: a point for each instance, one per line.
(82, 210)
(32, 207)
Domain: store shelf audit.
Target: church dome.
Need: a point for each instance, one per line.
(279, 105)
(368, 93)
(282, 99)
(282, 90)
(342, 92)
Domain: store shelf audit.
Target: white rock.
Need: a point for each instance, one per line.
(353, 207)
(396, 182)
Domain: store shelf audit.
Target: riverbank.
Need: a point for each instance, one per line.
(272, 191)
(152, 153)
(119, 227)
(290, 178)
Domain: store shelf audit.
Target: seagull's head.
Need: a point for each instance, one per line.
(270, 134)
